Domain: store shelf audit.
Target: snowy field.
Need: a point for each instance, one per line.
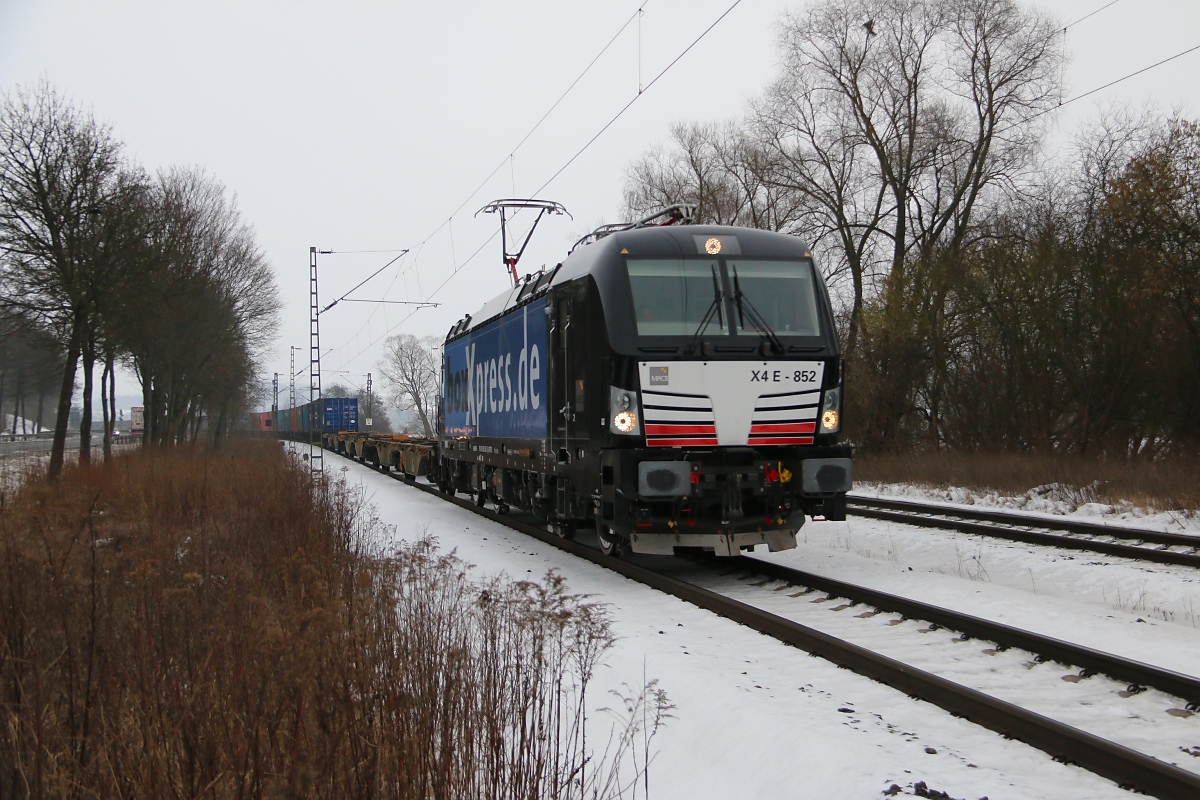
(755, 718)
(21, 458)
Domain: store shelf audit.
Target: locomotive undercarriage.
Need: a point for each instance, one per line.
(727, 500)
(651, 501)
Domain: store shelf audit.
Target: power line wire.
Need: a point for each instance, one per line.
(636, 15)
(507, 159)
(348, 252)
(573, 158)
(364, 280)
(1105, 86)
(1089, 16)
(641, 91)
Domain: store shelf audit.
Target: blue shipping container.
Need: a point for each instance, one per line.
(495, 378)
(341, 414)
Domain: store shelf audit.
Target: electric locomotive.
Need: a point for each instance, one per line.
(672, 386)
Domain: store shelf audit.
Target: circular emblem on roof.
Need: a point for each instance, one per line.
(712, 246)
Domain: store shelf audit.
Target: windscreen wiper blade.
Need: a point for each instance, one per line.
(713, 308)
(746, 309)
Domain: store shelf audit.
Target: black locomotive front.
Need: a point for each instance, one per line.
(693, 381)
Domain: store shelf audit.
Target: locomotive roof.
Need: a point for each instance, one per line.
(671, 241)
(602, 260)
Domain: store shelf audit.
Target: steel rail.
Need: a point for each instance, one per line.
(1048, 523)
(1095, 662)
(1123, 765)
(1033, 537)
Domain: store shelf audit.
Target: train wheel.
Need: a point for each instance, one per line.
(610, 543)
(480, 498)
(564, 530)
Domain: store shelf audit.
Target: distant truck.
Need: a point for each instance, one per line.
(137, 424)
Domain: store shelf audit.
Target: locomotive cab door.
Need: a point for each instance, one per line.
(576, 370)
(563, 407)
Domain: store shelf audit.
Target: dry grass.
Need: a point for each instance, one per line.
(1164, 485)
(193, 624)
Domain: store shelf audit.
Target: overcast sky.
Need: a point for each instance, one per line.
(371, 125)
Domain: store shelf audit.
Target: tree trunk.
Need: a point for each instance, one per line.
(196, 414)
(66, 390)
(17, 401)
(108, 408)
(218, 431)
(147, 408)
(112, 395)
(85, 418)
(37, 428)
(180, 421)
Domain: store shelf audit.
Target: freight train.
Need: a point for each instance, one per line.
(327, 415)
(668, 386)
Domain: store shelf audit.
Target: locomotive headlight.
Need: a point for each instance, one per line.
(623, 408)
(831, 418)
(625, 422)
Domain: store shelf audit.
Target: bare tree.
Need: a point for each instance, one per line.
(30, 367)
(717, 168)
(203, 306)
(896, 116)
(410, 369)
(57, 171)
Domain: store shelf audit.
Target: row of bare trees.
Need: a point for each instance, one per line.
(116, 266)
(991, 297)
(30, 366)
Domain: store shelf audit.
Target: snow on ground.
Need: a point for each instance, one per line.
(1051, 500)
(755, 718)
(21, 425)
(1150, 721)
(1149, 612)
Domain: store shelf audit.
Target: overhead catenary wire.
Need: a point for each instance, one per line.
(360, 284)
(1110, 84)
(509, 158)
(458, 268)
(513, 150)
(355, 252)
(634, 99)
(641, 90)
(1089, 15)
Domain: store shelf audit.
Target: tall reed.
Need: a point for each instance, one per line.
(189, 623)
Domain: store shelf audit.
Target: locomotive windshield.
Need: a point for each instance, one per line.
(674, 297)
(782, 294)
(671, 297)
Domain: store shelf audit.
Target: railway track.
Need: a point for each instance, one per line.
(1145, 545)
(1043, 648)
(1123, 765)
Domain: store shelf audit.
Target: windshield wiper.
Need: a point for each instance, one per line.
(746, 309)
(713, 308)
